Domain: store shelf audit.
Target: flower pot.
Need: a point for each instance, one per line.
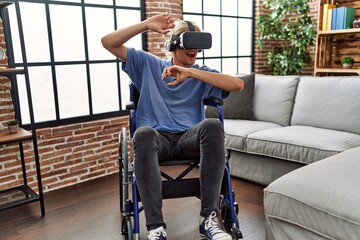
(13, 128)
(347, 65)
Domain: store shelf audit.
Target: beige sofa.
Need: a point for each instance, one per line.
(319, 201)
(296, 121)
(303, 142)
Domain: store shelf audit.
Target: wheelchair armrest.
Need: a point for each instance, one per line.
(213, 102)
(216, 103)
(130, 105)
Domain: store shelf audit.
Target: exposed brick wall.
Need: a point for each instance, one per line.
(78, 152)
(153, 7)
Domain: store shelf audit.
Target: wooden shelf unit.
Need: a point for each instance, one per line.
(333, 45)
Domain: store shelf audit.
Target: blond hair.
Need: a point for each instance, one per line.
(181, 26)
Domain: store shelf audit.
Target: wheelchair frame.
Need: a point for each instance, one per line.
(177, 187)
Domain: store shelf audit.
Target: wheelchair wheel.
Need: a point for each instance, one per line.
(127, 229)
(124, 174)
(232, 229)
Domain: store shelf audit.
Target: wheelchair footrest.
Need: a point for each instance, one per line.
(189, 187)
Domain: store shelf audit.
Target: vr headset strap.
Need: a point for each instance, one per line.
(191, 26)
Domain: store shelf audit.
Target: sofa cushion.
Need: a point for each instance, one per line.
(260, 169)
(300, 143)
(238, 105)
(274, 98)
(328, 102)
(236, 131)
(318, 201)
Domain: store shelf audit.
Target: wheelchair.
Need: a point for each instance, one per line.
(173, 187)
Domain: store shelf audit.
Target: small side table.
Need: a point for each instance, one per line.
(30, 195)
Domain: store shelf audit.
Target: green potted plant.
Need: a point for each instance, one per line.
(292, 30)
(347, 62)
(13, 125)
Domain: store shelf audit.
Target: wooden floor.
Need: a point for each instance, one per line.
(91, 211)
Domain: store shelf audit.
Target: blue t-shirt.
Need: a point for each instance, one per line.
(162, 107)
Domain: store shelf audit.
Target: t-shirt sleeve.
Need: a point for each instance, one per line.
(133, 65)
(214, 91)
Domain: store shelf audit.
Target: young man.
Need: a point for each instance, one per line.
(170, 120)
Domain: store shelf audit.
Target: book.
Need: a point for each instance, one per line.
(330, 11)
(334, 19)
(326, 7)
(340, 18)
(349, 17)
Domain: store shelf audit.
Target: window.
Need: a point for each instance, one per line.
(72, 76)
(231, 24)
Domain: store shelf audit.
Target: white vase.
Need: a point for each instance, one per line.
(347, 65)
(13, 128)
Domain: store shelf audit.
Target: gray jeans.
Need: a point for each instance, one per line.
(205, 140)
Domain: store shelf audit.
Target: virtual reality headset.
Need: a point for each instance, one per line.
(189, 40)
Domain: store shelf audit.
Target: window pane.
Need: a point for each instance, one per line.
(229, 66)
(195, 18)
(104, 87)
(96, 29)
(229, 37)
(246, 8)
(213, 63)
(244, 65)
(212, 7)
(126, 18)
(74, 1)
(132, 3)
(192, 6)
(102, 2)
(15, 33)
(23, 101)
(42, 95)
(212, 25)
(42, 92)
(72, 90)
(125, 92)
(229, 7)
(36, 44)
(68, 33)
(245, 37)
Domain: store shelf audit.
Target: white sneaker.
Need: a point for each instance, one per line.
(209, 229)
(157, 234)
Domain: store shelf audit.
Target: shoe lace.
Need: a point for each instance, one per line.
(156, 234)
(212, 225)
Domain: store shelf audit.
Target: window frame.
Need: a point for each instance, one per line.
(52, 63)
